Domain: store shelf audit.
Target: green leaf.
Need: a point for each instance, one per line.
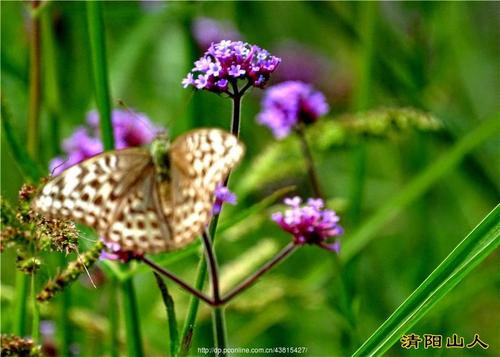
(478, 245)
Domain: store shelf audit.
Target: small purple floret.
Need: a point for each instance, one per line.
(310, 223)
(229, 61)
(289, 103)
(222, 195)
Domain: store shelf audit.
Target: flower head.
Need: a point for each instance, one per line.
(310, 223)
(129, 130)
(227, 61)
(289, 103)
(222, 195)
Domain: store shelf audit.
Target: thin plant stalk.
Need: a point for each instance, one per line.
(311, 170)
(362, 101)
(35, 321)
(218, 317)
(132, 325)
(22, 281)
(172, 321)
(22, 287)
(101, 86)
(201, 274)
(245, 284)
(33, 141)
(50, 79)
(100, 69)
(114, 326)
(284, 253)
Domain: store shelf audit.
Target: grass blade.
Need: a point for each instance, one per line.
(478, 244)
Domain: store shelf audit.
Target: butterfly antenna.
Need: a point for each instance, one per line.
(84, 267)
(134, 114)
(58, 166)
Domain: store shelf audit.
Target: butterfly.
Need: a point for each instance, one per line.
(146, 201)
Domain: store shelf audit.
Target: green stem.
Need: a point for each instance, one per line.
(35, 86)
(114, 326)
(219, 329)
(172, 321)
(22, 287)
(50, 79)
(362, 101)
(131, 316)
(64, 325)
(22, 281)
(35, 327)
(101, 86)
(194, 302)
(311, 170)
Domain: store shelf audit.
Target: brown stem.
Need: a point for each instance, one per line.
(177, 280)
(285, 252)
(313, 177)
(212, 266)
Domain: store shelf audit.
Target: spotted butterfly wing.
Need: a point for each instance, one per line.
(120, 195)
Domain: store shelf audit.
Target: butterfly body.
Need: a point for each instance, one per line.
(147, 201)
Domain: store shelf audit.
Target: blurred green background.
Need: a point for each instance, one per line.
(439, 57)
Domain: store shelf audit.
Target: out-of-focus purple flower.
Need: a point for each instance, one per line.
(113, 251)
(207, 31)
(47, 329)
(310, 223)
(222, 195)
(227, 61)
(130, 129)
(289, 103)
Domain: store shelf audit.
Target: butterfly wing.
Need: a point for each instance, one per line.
(200, 160)
(91, 191)
(141, 223)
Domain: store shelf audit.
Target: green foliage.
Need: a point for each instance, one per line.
(419, 83)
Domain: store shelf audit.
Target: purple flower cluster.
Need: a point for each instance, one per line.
(207, 31)
(130, 129)
(289, 103)
(222, 195)
(227, 61)
(310, 223)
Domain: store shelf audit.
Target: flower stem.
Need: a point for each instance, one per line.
(101, 86)
(187, 330)
(235, 122)
(219, 330)
(313, 177)
(132, 327)
(279, 257)
(218, 316)
(194, 302)
(178, 281)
